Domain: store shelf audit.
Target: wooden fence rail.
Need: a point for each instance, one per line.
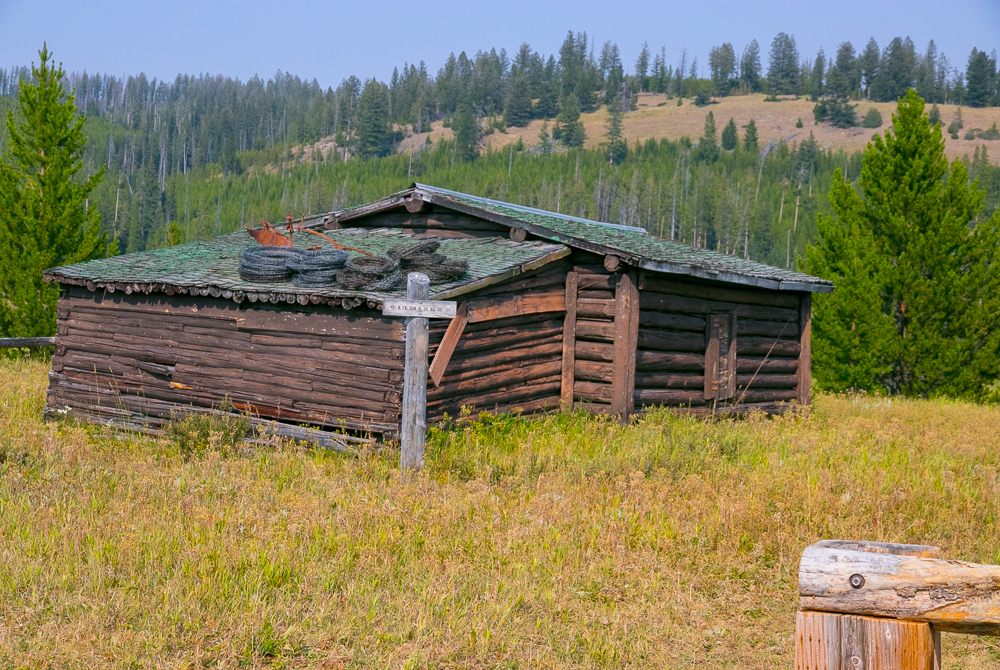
(882, 606)
(30, 342)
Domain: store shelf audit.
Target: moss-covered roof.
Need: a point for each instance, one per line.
(633, 245)
(212, 267)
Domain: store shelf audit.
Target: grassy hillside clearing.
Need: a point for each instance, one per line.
(567, 542)
(656, 117)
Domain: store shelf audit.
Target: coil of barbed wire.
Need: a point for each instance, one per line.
(316, 268)
(267, 263)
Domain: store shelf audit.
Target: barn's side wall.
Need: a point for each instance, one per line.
(671, 342)
(140, 358)
(505, 362)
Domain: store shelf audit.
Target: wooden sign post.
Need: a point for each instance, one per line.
(882, 606)
(417, 308)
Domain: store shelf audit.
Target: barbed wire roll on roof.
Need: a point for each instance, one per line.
(267, 263)
(316, 268)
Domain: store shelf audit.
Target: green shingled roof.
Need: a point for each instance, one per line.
(212, 267)
(634, 245)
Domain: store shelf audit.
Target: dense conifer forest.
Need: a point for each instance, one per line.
(198, 156)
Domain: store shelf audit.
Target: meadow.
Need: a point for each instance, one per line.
(562, 542)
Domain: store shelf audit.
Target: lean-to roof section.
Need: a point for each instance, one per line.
(631, 244)
(211, 267)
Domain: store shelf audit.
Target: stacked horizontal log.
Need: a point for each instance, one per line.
(506, 364)
(595, 333)
(672, 342)
(433, 224)
(145, 358)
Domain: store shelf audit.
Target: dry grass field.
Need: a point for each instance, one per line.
(566, 542)
(657, 117)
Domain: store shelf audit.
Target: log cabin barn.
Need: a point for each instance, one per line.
(554, 311)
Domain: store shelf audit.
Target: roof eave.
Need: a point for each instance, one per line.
(733, 278)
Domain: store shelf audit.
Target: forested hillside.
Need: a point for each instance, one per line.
(199, 156)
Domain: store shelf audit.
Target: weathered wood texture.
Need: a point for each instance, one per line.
(151, 356)
(759, 371)
(510, 356)
(436, 224)
(447, 347)
(804, 372)
(26, 342)
(825, 641)
(625, 338)
(414, 412)
(951, 595)
(569, 343)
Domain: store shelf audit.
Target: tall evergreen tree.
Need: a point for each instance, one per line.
(783, 70)
(708, 145)
(816, 87)
(730, 138)
(868, 65)
(517, 114)
(980, 74)
(642, 67)
(750, 137)
(897, 72)
(569, 128)
(614, 76)
(614, 134)
(750, 68)
(847, 63)
(722, 63)
(44, 215)
(467, 133)
(373, 137)
(927, 75)
(917, 304)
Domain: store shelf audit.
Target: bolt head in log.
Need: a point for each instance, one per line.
(900, 582)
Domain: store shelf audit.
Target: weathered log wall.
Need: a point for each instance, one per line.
(509, 357)
(140, 358)
(672, 339)
(673, 314)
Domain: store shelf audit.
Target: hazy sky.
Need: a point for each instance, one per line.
(331, 40)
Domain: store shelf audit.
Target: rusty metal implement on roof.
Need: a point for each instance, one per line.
(268, 235)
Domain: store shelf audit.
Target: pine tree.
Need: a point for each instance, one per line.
(897, 73)
(708, 145)
(467, 133)
(916, 307)
(642, 67)
(847, 65)
(750, 70)
(614, 133)
(816, 77)
(783, 72)
(730, 139)
(517, 113)
(44, 215)
(750, 137)
(373, 121)
(869, 63)
(569, 128)
(934, 116)
(722, 63)
(979, 76)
